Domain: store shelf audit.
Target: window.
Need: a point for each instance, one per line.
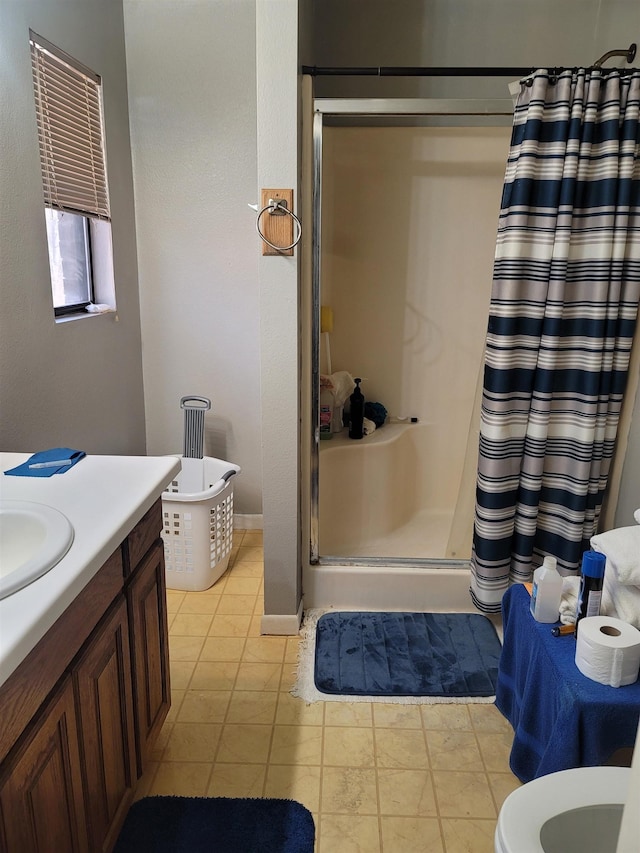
(70, 124)
(69, 259)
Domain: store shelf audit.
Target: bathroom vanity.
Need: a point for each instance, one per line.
(84, 659)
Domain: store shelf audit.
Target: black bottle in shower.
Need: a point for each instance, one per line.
(356, 416)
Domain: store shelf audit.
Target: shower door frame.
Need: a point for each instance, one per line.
(359, 108)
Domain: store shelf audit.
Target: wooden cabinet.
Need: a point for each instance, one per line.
(41, 795)
(147, 600)
(102, 680)
(68, 771)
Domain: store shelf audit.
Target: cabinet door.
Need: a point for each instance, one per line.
(148, 612)
(41, 797)
(103, 686)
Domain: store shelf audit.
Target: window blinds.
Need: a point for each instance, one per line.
(69, 116)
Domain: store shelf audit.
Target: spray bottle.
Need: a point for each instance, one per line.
(547, 591)
(591, 582)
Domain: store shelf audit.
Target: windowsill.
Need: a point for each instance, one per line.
(81, 315)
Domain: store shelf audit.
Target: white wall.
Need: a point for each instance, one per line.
(79, 383)
(192, 100)
(518, 33)
(278, 144)
(629, 497)
(409, 224)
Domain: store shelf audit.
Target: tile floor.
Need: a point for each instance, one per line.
(377, 777)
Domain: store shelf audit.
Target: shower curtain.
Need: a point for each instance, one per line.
(561, 322)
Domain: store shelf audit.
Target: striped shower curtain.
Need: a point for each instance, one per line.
(561, 322)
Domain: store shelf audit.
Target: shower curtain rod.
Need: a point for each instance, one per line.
(459, 71)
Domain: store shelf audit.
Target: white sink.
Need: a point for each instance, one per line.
(33, 538)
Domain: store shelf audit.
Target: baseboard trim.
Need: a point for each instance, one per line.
(247, 522)
(281, 624)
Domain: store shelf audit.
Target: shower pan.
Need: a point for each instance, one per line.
(391, 515)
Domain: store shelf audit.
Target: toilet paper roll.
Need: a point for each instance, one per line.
(608, 650)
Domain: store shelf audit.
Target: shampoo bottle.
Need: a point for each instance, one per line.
(326, 412)
(591, 581)
(547, 591)
(356, 416)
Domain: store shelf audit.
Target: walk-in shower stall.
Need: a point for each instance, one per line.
(406, 196)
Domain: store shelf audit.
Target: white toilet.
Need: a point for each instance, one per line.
(572, 811)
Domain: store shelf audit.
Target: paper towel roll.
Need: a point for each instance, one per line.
(608, 650)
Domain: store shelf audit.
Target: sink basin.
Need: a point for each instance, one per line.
(33, 538)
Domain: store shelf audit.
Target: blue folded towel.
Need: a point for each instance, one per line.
(42, 464)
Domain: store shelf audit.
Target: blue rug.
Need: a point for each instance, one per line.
(216, 825)
(406, 654)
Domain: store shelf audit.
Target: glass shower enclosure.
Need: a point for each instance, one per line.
(406, 200)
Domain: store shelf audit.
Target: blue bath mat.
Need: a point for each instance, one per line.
(216, 825)
(406, 654)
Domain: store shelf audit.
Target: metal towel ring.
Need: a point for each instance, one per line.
(279, 205)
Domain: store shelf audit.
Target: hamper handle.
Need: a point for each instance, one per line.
(222, 482)
(206, 403)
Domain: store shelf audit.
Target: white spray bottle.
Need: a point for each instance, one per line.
(547, 592)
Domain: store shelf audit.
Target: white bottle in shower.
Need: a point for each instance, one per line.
(326, 411)
(547, 592)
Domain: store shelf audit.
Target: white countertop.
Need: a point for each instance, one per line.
(103, 497)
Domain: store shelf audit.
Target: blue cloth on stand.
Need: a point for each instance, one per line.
(561, 718)
(65, 454)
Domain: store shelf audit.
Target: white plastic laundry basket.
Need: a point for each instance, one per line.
(197, 523)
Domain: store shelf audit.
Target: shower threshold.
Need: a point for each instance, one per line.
(352, 583)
